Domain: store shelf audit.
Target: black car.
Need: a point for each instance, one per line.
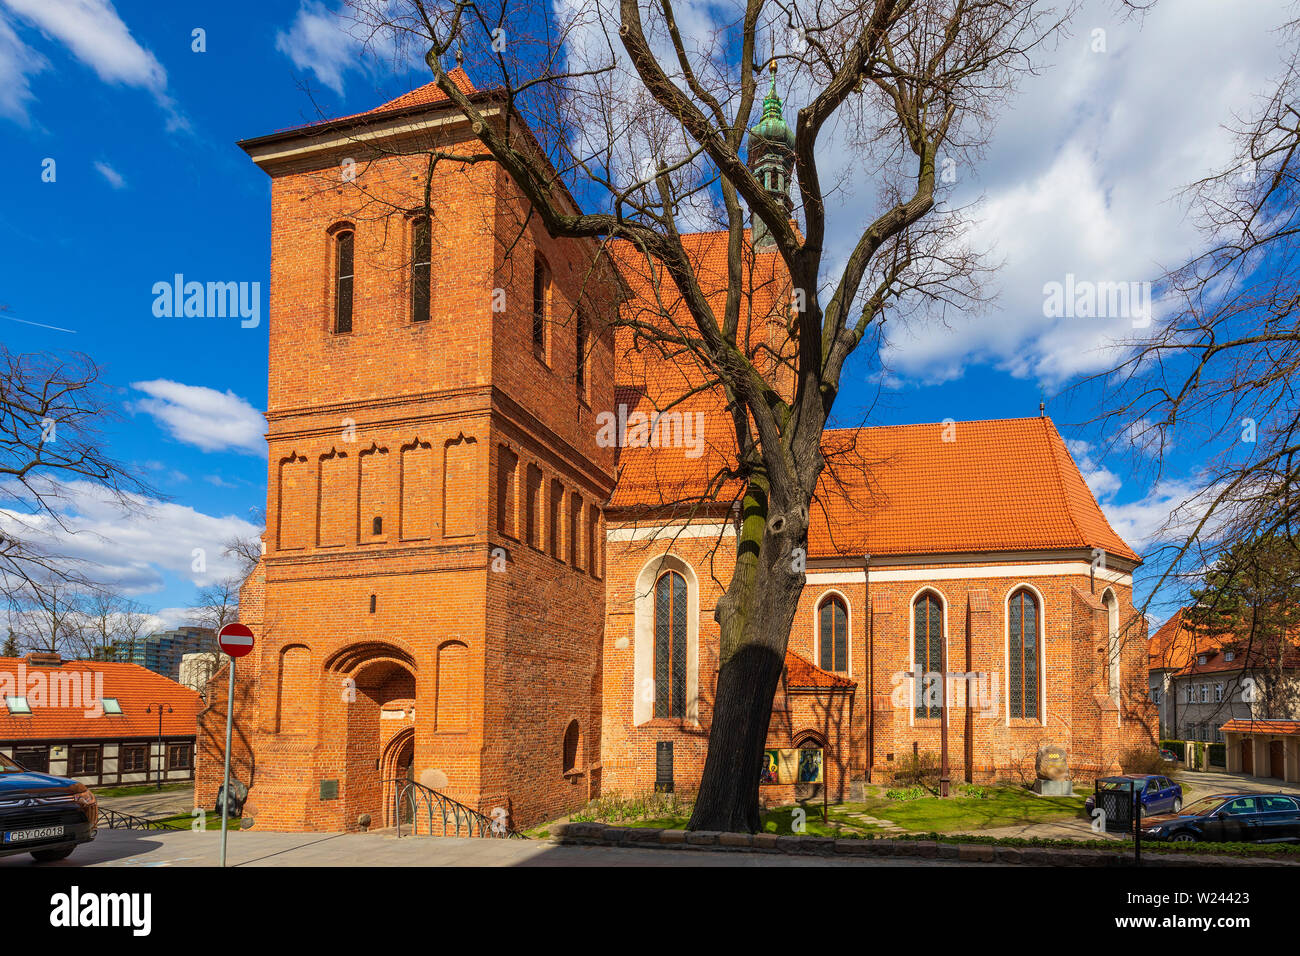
(1230, 817)
(43, 815)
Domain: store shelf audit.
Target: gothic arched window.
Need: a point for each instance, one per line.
(343, 276)
(927, 660)
(1023, 615)
(421, 268)
(670, 645)
(832, 634)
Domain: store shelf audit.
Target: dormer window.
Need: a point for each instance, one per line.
(17, 705)
(1200, 658)
(1229, 655)
(111, 706)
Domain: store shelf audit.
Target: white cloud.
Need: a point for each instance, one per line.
(1080, 177)
(319, 40)
(203, 417)
(94, 33)
(112, 175)
(130, 547)
(18, 62)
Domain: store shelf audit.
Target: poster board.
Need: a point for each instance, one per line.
(787, 765)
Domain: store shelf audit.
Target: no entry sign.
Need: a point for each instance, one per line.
(235, 639)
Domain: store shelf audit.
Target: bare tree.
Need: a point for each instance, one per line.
(109, 625)
(51, 410)
(45, 616)
(1220, 371)
(614, 103)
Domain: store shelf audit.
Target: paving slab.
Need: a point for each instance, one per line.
(185, 848)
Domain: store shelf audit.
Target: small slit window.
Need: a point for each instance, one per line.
(343, 278)
(421, 269)
(541, 292)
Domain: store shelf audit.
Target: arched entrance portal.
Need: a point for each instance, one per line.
(397, 768)
(377, 684)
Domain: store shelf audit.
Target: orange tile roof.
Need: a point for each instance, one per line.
(1003, 485)
(801, 672)
(134, 687)
(1245, 725)
(426, 95)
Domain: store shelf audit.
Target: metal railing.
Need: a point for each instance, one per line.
(425, 811)
(117, 820)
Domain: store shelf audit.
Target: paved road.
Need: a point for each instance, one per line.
(249, 848)
(1202, 784)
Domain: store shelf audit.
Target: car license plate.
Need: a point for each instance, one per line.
(39, 833)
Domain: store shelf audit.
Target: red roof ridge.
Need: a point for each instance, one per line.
(804, 673)
(1057, 447)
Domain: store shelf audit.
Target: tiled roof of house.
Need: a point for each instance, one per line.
(134, 687)
(1178, 645)
(801, 672)
(1245, 725)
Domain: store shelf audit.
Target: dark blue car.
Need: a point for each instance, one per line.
(1231, 817)
(1158, 793)
(43, 815)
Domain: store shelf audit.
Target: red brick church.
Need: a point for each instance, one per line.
(492, 552)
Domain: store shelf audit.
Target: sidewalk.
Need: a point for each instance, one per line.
(249, 848)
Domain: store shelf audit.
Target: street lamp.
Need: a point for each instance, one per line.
(161, 753)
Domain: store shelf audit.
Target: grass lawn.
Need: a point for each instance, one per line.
(997, 807)
(185, 821)
(1002, 807)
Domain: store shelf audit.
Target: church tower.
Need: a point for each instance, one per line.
(771, 157)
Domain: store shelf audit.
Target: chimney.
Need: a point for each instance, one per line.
(44, 659)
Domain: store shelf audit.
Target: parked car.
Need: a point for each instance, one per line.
(1230, 817)
(1168, 755)
(43, 815)
(1158, 793)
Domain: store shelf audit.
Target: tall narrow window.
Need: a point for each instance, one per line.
(421, 269)
(343, 281)
(670, 645)
(832, 634)
(541, 292)
(1022, 668)
(580, 370)
(927, 635)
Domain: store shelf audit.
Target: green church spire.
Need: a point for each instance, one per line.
(771, 156)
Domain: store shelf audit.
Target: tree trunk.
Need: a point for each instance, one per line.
(755, 615)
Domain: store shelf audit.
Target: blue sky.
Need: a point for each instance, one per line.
(1079, 179)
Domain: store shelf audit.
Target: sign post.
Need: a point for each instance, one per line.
(235, 640)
